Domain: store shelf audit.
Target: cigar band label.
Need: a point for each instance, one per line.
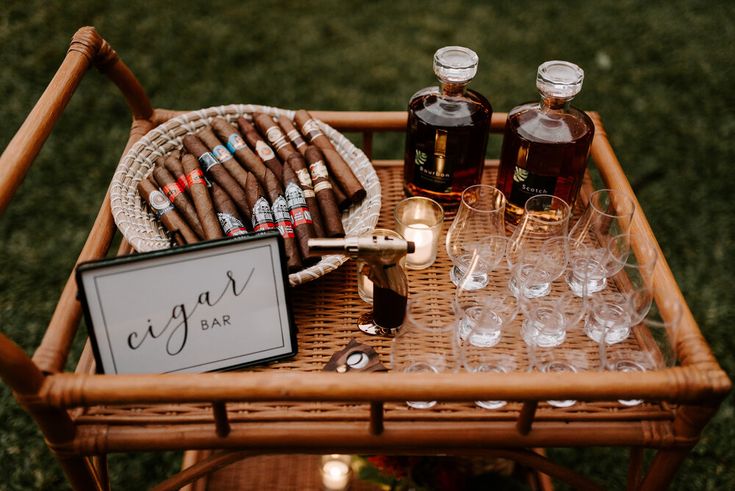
(222, 154)
(208, 160)
(321, 186)
(262, 216)
(304, 178)
(283, 217)
(276, 137)
(264, 151)
(297, 206)
(160, 203)
(231, 225)
(235, 142)
(172, 190)
(182, 182)
(319, 170)
(196, 177)
(311, 129)
(296, 139)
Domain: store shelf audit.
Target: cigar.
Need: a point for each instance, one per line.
(267, 218)
(331, 216)
(299, 211)
(292, 133)
(175, 194)
(338, 168)
(217, 172)
(343, 202)
(275, 136)
(236, 145)
(229, 218)
(165, 212)
(298, 165)
(261, 147)
(224, 156)
(200, 197)
(263, 219)
(172, 163)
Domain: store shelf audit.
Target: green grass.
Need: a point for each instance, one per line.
(660, 73)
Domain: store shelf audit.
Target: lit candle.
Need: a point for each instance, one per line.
(420, 220)
(335, 473)
(420, 234)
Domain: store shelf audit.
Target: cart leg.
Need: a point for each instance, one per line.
(81, 474)
(635, 468)
(663, 468)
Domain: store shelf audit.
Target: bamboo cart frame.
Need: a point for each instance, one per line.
(286, 410)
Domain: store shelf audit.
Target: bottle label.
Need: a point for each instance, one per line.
(235, 142)
(283, 217)
(297, 206)
(231, 225)
(432, 171)
(207, 160)
(222, 154)
(262, 216)
(264, 151)
(527, 184)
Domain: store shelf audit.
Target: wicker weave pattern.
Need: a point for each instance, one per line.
(145, 233)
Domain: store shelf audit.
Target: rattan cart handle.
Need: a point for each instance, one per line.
(87, 48)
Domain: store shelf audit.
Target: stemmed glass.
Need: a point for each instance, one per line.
(614, 310)
(478, 229)
(608, 214)
(427, 340)
(538, 249)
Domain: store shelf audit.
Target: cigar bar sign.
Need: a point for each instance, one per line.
(212, 306)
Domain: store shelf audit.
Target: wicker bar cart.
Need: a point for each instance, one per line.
(293, 407)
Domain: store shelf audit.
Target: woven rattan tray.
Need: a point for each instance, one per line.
(145, 233)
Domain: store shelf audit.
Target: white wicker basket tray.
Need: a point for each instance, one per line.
(144, 232)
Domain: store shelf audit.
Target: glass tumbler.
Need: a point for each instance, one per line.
(478, 229)
(427, 341)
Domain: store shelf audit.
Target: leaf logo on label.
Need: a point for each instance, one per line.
(520, 175)
(420, 157)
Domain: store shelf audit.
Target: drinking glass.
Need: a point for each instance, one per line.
(555, 360)
(478, 228)
(539, 245)
(546, 319)
(477, 356)
(614, 310)
(608, 214)
(482, 308)
(427, 340)
(650, 346)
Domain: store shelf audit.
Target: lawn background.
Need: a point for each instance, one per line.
(660, 73)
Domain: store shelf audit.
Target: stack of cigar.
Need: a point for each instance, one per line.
(252, 176)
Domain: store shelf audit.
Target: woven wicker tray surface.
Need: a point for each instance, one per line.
(145, 233)
(326, 311)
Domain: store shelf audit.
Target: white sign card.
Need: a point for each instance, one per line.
(212, 306)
